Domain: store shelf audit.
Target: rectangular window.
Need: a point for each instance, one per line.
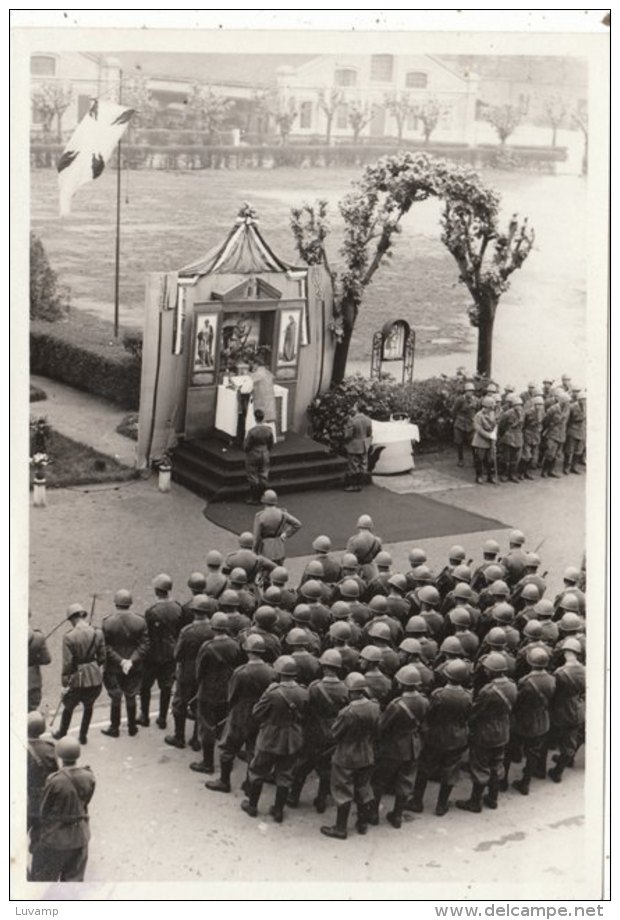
(43, 65)
(416, 80)
(381, 67)
(305, 115)
(344, 76)
(342, 112)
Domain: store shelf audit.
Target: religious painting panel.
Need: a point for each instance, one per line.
(288, 338)
(205, 349)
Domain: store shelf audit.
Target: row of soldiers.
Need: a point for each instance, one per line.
(378, 680)
(511, 434)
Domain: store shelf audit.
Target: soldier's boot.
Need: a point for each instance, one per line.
(523, 785)
(459, 451)
(555, 773)
(539, 769)
(277, 809)
(339, 829)
(511, 475)
(358, 482)
(474, 802)
(206, 764)
(294, 792)
(178, 739)
(491, 474)
(503, 783)
(320, 802)
(65, 722)
(478, 469)
(348, 483)
(194, 743)
(222, 784)
(113, 731)
(490, 799)
(85, 724)
(526, 470)
(417, 801)
(361, 819)
(551, 470)
(372, 811)
(250, 805)
(395, 817)
(145, 708)
(443, 800)
(132, 727)
(164, 703)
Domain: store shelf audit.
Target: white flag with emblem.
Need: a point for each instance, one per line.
(89, 148)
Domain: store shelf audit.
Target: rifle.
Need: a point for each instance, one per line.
(62, 696)
(58, 625)
(92, 609)
(540, 544)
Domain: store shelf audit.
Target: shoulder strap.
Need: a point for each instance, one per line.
(76, 787)
(502, 695)
(536, 689)
(402, 705)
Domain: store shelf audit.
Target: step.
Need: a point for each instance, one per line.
(208, 489)
(290, 470)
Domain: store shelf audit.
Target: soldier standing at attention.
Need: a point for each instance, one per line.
(575, 433)
(532, 428)
(196, 583)
(163, 623)
(510, 428)
(83, 656)
(365, 546)
(554, 433)
(357, 441)
(126, 645)
(38, 654)
(568, 708)
(216, 580)
(484, 439)
(62, 851)
(257, 445)
(272, 527)
(531, 716)
(41, 764)
(464, 410)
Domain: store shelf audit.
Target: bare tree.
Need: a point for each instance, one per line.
(284, 115)
(358, 116)
(51, 100)
(399, 105)
(556, 111)
(328, 103)
(136, 94)
(504, 118)
(207, 109)
(429, 113)
(579, 117)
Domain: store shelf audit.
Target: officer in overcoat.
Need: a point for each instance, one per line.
(126, 645)
(83, 657)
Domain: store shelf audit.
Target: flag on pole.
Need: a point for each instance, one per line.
(89, 148)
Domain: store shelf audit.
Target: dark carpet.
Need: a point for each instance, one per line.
(334, 512)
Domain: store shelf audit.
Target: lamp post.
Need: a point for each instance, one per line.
(114, 62)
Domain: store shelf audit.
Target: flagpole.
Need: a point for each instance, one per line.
(118, 217)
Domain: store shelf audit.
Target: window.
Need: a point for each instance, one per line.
(524, 103)
(342, 113)
(381, 67)
(415, 79)
(305, 115)
(43, 65)
(344, 76)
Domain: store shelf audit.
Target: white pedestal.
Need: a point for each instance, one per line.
(397, 439)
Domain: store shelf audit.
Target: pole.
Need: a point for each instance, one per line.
(118, 218)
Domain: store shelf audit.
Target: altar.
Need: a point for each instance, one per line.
(227, 411)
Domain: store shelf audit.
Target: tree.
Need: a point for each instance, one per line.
(556, 110)
(207, 110)
(262, 108)
(284, 115)
(504, 118)
(136, 94)
(429, 113)
(372, 213)
(579, 117)
(48, 299)
(358, 116)
(51, 100)
(328, 103)
(399, 106)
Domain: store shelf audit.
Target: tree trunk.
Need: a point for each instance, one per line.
(486, 321)
(59, 127)
(349, 314)
(328, 130)
(554, 135)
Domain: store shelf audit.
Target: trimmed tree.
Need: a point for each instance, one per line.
(400, 107)
(372, 214)
(555, 111)
(358, 116)
(48, 299)
(429, 114)
(51, 100)
(504, 118)
(328, 102)
(207, 110)
(284, 115)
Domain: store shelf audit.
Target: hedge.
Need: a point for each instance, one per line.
(83, 353)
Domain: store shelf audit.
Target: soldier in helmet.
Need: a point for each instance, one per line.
(460, 576)
(38, 655)
(247, 684)
(163, 623)
(308, 667)
(458, 622)
(357, 442)
(350, 573)
(41, 764)
(530, 597)
(398, 606)
(531, 721)
(567, 732)
(490, 552)
(288, 596)
(510, 433)
(417, 628)
(532, 433)
(544, 614)
(272, 597)
(365, 546)
(320, 616)
(216, 581)
(446, 739)
(264, 624)
(421, 577)
(240, 613)
(197, 583)
(379, 610)
(281, 714)
(302, 620)
(340, 637)
(190, 640)
(379, 686)
(417, 556)
(61, 852)
(258, 443)
(515, 559)
(484, 439)
(554, 432)
(126, 646)
(272, 527)
(83, 657)
(380, 635)
(571, 581)
(429, 600)
(574, 445)
(530, 577)
(254, 565)
(445, 580)
(326, 697)
(379, 585)
(410, 652)
(331, 567)
(492, 575)
(489, 727)
(499, 592)
(465, 407)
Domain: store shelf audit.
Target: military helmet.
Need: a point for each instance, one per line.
(451, 646)
(197, 581)
(340, 631)
(279, 575)
(411, 646)
(461, 591)
(499, 588)
(533, 629)
(429, 595)
(571, 573)
(516, 538)
(422, 573)
(509, 388)
(515, 400)
(162, 582)
(355, 682)
(350, 588)
(311, 589)
(462, 573)
(537, 657)
(493, 572)
(456, 670)
(487, 402)
(570, 623)
(532, 560)
(495, 662)
(530, 593)
(228, 598)
(456, 554)
(68, 749)
(416, 624)
(36, 724)
(379, 631)
(398, 581)
(286, 666)
(340, 610)
(246, 540)
(123, 599)
(536, 390)
(490, 546)
(371, 653)
(75, 610)
(544, 609)
(314, 569)
(331, 658)
(297, 637)
(238, 576)
(272, 595)
(570, 602)
(570, 644)
(496, 637)
(408, 676)
(220, 622)
(538, 401)
(349, 561)
(302, 613)
(378, 604)
(563, 396)
(365, 521)
(265, 616)
(503, 613)
(269, 497)
(460, 616)
(203, 602)
(254, 643)
(469, 387)
(214, 558)
(492, 387)
(417, 556)
(321, 544)
(383, 559)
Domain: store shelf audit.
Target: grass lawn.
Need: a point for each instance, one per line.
(76, 464)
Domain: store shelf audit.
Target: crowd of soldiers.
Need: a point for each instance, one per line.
(379, 681)
(511, 435)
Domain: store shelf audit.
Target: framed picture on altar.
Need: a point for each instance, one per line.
(204, 349)
(288, 338)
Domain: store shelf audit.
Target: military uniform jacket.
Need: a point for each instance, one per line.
(238, 622)
(332, 570)
(568, 708)
(350, 658)
(190, 641)
(532, 424)
(560, 597)
(379, 686)
(401, 727)
(396, 630)
(355, 729)
(320, 618)
(125, 639)
(469, 641)
(358, 434)
(83, 656)
(447, 717)
(360, 613)
(259, 440)
(215, 663)
(272, 643)
(576, 426)
(326, 697)
(281, 713)
(64, 808)
(555, 422)
(247, 684)
(489, 721)
(531, 711)
(464, 411)
(249, 561)
(484, 425)
(270, 526)
(378, 585)
(435, 623)
(514, 563)
(38, 654)
(216, 582)
(163, 623)
(308, 667)
(445, 581)
(511, 427)
(364, 545)
(532, 579)
(41, 764)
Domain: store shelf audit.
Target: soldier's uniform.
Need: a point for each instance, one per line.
(357, 438)
(379, 686)
(399, 608)
(83, 656)
(247, 684)
(273, 646)
(215, 583)
(530, 579)
(125, 640)
(531, 723)
(216, 660)
(272, 526)
(483, 443)
(190, 641)
(365, 546)
(575, 436)
(554, 432)
(355, 730)
(567, 732)
(251, 563)
(308, 667)
(163, 624)
(258, 444)
(41, 764)
(571, 589)
(532, 434)
(465, 407)
(398, 749)
(514, 562)
(38, 655)
(510, 429)
(332, 570)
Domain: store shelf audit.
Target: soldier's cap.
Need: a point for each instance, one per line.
(197, 581)
(499, 588)
(548, 381)
(570, 602)
(123, 599)
(365, 522)
(398, 581)
(544, 609)
(340, 610)
(162, 582)
(570, 645)
(570, 623)
(220, 622)
(203, 603)
(279, 575)
(516, 538)
(314, 569)
(456, 554)
(495, 662)
(331, 658)
(493, 573)
(238, 576)
(371, 653)
(409, 676)
(533, 629)
(538, 401)
(311, 589)
(460, 616)
(487, 402)
(563, 396)
(350, 588)
(469, 387)
(214, 558)
(269, 497)
(411, 646)
(75, 610)
(297, 637)
(68, 749)
(530, 593)
(356, 682)
(228, 598)
(321, 544)
(416, 624)
(265, 616)
(451, 646)
(503, 613)
(378, 604)
(340, 631)
(379, 630)
(462, 573)
(286, 666)
(571, 574)
(456, 670)
(254, 643)
(496, 637)
(461, 591)
(302, 613)
(349, 561)
(383, 559)
(272, 594)
(429, 595)
(417, 556)
(532, 560)
(36, 724)
(246, 540)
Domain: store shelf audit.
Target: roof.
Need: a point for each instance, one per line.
(243, 252)
(230, 69)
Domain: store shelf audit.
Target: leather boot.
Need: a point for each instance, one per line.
(223, 783)
(417, 801)
(503, 783)
(85, 724)
(555, 773)
(206, 764)
(443, 800)
(523, 785)
(511, 475)
(478, 469)
(132, 727)
(474, 802)
(164, 703)
(490, 799)
(294, 793)
(178, 739)
(361, 823)
(348, 483)
(194, 743)
(65, 722)
(551, 470)
(339, 829)
(115, 720)
(277, 809)
(320, 802)
(540, 767)
(526, 470)
(372, 811)
(395, 817)
(145, 708)
(250, 805)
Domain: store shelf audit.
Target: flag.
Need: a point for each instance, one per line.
(89, 148)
